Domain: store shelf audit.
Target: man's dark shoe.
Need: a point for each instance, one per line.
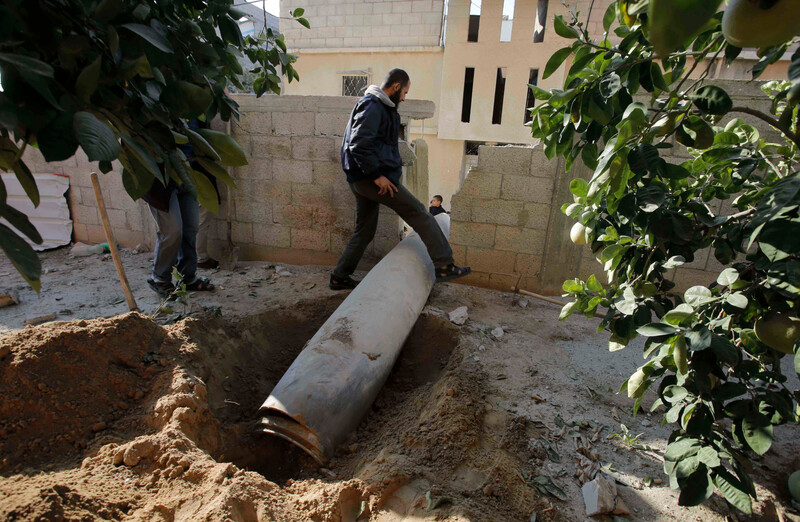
(342, 283)
(208, 264)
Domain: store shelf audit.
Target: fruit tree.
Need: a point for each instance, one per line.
(713, 353)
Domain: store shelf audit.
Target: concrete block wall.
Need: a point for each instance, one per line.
(507, 223)
(292, 203)
(359, 23)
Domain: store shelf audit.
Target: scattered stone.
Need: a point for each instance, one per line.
(523, 303)
(40, 319)
(140, 249)
(497, 333)
(488, 490)
(601, 498)
(9, 298)
(459, 316)
(646, 423)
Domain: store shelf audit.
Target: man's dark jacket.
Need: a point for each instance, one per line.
(369, 149)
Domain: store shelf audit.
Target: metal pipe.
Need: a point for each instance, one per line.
(332, 383)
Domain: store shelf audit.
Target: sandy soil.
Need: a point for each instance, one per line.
(110, 416)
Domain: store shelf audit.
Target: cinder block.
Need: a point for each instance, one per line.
(252, 122)
(272, 235)
(328, 172)
(293, 123)
(324, 217)
(330, 123)
(520, 240)
(472, 234)
(86, 215)
(292, 170)
(117, 218)
(537, 215)
(354, 20)
(482, 184)
(253, 211)
(480, 279)
(342, 196)
(258, 168)
(528, 264)
(311, 195)
(276, 147)
(276, 192)
(319, 149)
(526, 188)
(308, 239)
(461, 207)
(508, 160)
(419, 6)
(489, 260)
(79, 232)
(382, 8)
(459, 254)
(95, 234)
(402, 7)
(363, 9)
(335, 21)
(293, 216)
(241, 232)
(499, 212)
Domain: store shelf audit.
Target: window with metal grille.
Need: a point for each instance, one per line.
(354, 85)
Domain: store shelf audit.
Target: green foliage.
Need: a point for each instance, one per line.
(118, 78)
(621, 111)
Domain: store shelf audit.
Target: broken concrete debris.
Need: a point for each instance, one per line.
(458, 316)
(498, 333)
(40, 319)
(8, 298)
(601, 498)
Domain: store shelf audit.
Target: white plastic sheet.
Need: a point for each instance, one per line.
(51, 218)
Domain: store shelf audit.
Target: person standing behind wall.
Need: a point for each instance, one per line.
(371, 160)
(177, 215)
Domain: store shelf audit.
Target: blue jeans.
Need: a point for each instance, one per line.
(177, 234)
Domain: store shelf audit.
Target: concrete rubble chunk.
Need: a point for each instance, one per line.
(458, 316)
(8, 298)
(601, 498)
(40, 319)
(498, 333)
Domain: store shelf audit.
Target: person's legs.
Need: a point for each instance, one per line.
(190, 218)
(168, 240)
(413, 212)
(206, 218)
(366, 225)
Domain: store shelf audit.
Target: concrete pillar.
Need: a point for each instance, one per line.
(417, 173)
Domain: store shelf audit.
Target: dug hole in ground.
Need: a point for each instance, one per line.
(116, 416)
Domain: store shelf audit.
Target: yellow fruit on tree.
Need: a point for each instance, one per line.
(778, 331)
(761, 23)
(578, 234)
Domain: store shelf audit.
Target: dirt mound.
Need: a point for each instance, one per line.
(122, 418)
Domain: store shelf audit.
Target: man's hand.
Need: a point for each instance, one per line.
(385, 186)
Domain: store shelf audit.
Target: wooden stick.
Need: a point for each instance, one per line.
(112, 245)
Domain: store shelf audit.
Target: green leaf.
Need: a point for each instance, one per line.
(155, 38)
(672, 24)
(698, 295)
(697, 488)
(679, 355)
(674, 393)
(200, 145)
(656, 329)
(27, 181)
(562, 29)
(737, 300)
(712, 100)
(95, 137)
(637, 383)
(304, 23)
(40, 85)
(229, 151)
(20, 221)
(136, 182)
(206, 193)
(298, 12)
(216, 170)
(609, 16)
(57, 141)
(555, 61)
(725, 350)
(681, 449)
(566, 311)
(610, 85)
(87, 80)
(679, 314)
(28, 64)
(757, 434)
(728, 276)
(733, 490)
(138, 153)
(22, 256)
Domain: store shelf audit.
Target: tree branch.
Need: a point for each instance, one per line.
(769, 119)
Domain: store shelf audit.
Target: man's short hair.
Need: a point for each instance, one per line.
(395, 76)
(438, 198)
